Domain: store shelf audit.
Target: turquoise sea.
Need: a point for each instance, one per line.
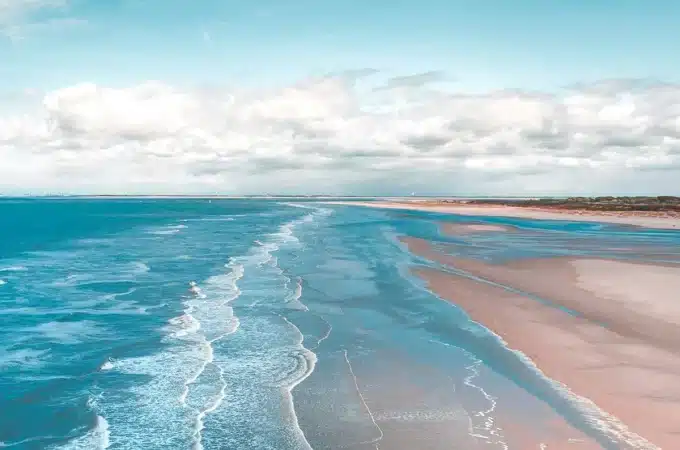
(306, 330)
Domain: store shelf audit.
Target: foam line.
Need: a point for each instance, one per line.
(363, 401)
(488, 424)
(325, 336)
(13, 269)
(611, 427)
(237, 272)
(489, 421)
(199, 424)
(310, 363)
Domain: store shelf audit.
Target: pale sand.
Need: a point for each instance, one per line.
(631, 369)
(571, 284)
(467, 228)
(621, 218)
(652, 291)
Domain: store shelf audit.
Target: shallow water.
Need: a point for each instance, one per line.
(307, 330)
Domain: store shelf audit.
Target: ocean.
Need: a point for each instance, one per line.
(306, 330)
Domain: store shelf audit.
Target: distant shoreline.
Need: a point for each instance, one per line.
(647, 219)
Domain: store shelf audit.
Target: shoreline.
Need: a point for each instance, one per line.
(624, 330)
(637, 218)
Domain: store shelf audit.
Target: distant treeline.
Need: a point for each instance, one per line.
(609, 203)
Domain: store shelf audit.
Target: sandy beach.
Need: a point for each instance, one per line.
(617, 346)
(639, 219)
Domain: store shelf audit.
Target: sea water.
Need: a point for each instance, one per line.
(303, 324)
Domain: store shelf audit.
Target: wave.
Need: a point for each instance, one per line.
(306, 360)
(13, 269)
(23, 359)
(216, 320)
(27, 441)
(67, 333)
(214, 219)
(293, 299)
(139, 268)
(185, 384)
(96, 438)
(169, 230)
(267, 358)
(115, 295)
(191, 378)
(107, 365)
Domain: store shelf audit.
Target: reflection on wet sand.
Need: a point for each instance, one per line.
(609, 330)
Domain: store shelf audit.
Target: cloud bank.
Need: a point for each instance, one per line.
(339, 135)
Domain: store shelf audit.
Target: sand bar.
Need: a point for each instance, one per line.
(630, 369)
(473, 228)
(635, 299)
(621, 218)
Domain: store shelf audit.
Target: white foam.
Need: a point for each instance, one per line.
(108, 365)
(13, 269)
(2, 282)
(601, 420)
(20, 444)
(169, 230)
(215, 218)
(24, 359)
(109, 297)
(67, 332)
(306, 363)
(268, 357)
(216, 320)
(72, 280)
(487, 430)
(149, 415)
(188, 381)
(183, 325)
(96, 438)
(139, 267)
(493, 434)
(293, 299)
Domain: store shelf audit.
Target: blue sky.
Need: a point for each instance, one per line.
(483, 44)
(78, 114)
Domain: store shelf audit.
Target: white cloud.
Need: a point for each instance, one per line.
(331, 135)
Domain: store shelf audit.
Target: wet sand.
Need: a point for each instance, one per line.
(387, 401)
(629, 368)
(473, 228)
(639, 219)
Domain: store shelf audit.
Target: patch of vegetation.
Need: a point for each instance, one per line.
(659, 203)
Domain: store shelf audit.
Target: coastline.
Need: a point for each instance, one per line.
(617, 331)
(639, 219)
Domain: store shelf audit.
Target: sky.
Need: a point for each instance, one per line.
(437, 97)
